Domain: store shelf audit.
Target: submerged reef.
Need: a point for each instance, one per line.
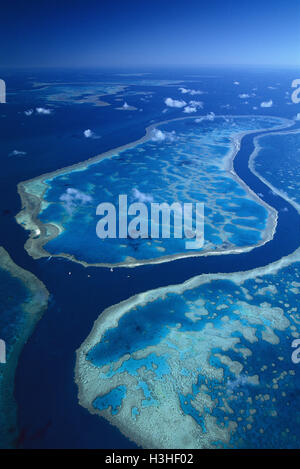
(23, 300)
(207, 363)
(76, 93)
(204, 364)
(183, 160)
(88, 92)
(283, 177)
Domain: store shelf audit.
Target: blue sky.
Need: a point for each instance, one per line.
(124, 33)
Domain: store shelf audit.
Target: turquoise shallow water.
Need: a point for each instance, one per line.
(223, 349)
(113, 399)
(55, 141)
(184, 163)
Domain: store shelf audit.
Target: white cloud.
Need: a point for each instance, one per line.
(266, 103)
(140, 196)
(236, 82)
(244, 95)
(191, 92)
(193, 106)
(160, 136)
(17, 153)
(189, 109)
(126, 107)
(42, 110)
(297, 117)
(72, 198)
(196, 104)
(175, 102)
(88, 133)
(38, 110)
(184, 90)
(210, 117)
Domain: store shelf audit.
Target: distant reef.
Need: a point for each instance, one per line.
(24, 298)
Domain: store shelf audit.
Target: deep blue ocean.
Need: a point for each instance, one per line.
(48, 412)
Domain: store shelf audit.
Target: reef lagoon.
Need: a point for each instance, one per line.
(189, 159)
(204, 364)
